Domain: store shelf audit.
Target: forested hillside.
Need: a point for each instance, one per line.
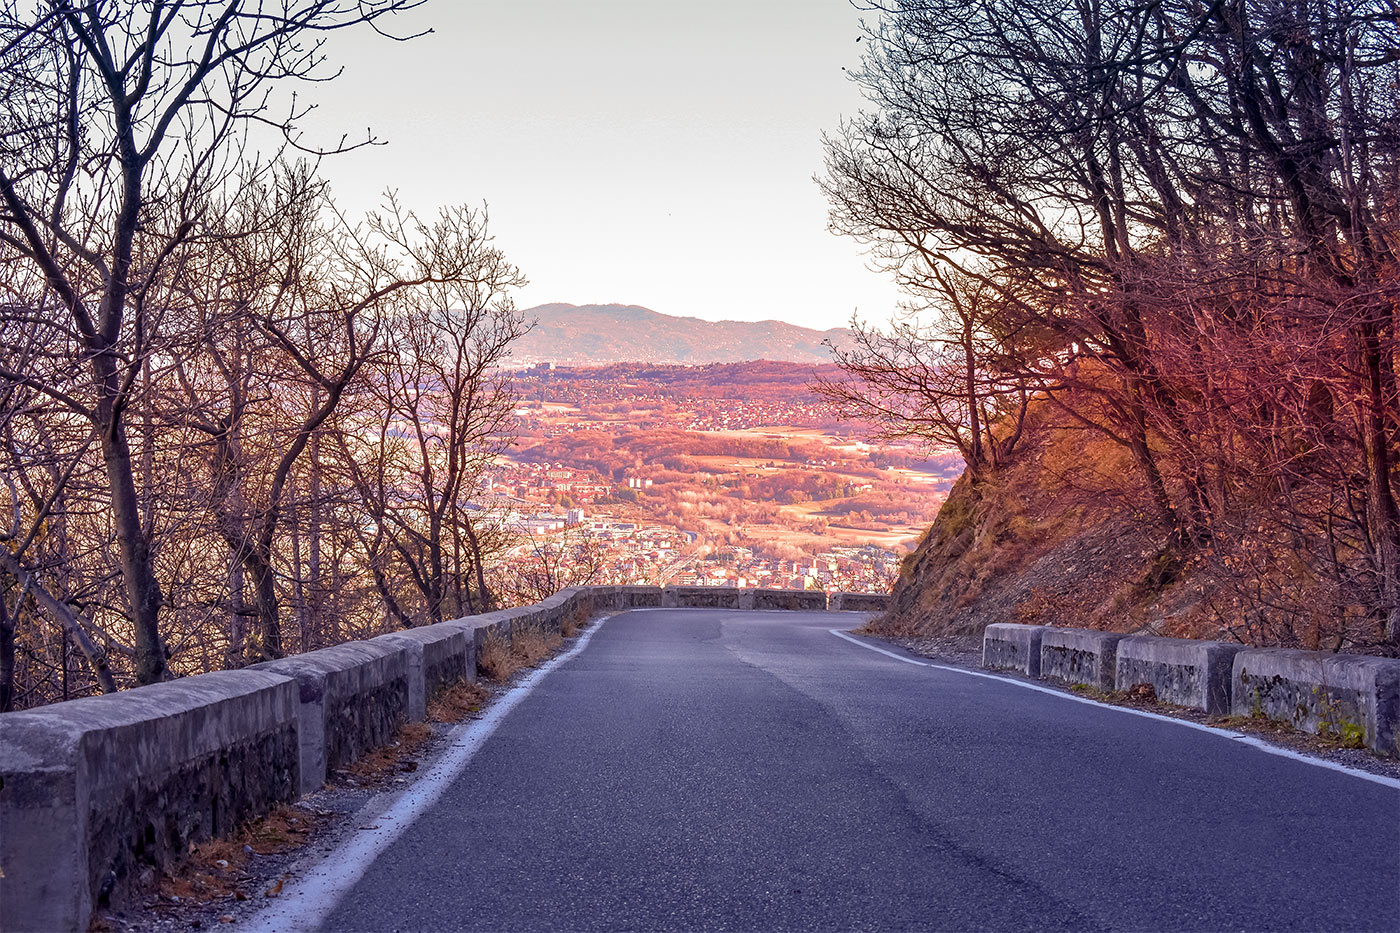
(1151, 257)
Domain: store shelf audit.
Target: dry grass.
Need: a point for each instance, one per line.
(377, 766)
(215, 870)
(495, 659)
(501, 658)
(570, 625)
(457, 702)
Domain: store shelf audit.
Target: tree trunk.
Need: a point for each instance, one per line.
(269, 639)
(476, 561)
(7, 655)
(138, 573)
(68, 623)
(313, 543)
(1384, 515)
(237, 623)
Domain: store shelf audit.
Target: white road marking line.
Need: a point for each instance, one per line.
(1250, 740)
(305, 904)
(888, 654)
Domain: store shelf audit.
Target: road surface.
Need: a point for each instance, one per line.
(718, 770)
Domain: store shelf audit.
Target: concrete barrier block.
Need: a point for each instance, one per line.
(448, 656)
(859, 602)
(351, 698)
(417, 708)
(1080, 656)
(1340, 695)
(797, 600)
(1181, 670)
(97, 795)
(1008, 646)
(705, 597)
(477, 629)
(638, 597)
(604, 598)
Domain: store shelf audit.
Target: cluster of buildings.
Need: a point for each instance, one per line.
(866, 569)
(633, 552)
(734, 415)
(550, 480)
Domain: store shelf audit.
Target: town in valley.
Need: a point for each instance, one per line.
(735, 474)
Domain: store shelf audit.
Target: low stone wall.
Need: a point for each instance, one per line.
(859, 602)
(728, 597)
(352, 698)
(1181, 671)
(98, 794)
(1080, 656)
(1007, 646)
(438, 657)
(1350, 697)
(794, 600)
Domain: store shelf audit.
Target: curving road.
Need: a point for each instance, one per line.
(716, 770)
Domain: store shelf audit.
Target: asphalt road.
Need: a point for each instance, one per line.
(716, 770)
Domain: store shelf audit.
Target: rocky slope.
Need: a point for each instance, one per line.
(1054, 538)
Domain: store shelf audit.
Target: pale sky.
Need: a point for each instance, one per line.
(651, 152)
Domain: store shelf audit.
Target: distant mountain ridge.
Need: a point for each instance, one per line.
(613, 333)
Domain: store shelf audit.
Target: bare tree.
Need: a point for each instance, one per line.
(937, 380)
(445, 411)
(1187, 202)
(122, 119)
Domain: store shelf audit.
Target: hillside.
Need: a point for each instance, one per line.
(595, 334)
(1060, 537)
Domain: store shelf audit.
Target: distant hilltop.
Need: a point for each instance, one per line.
(567, 333)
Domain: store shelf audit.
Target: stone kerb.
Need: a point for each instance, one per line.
(1181, 671)
(352, 697)
(1080, 656)
(797, 600)
(1348, 697)
(97, 794)
(1009, 646)
(859, 602)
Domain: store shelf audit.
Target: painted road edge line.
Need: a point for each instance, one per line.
(1222, 733)
(305, 904)
(889, 654)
